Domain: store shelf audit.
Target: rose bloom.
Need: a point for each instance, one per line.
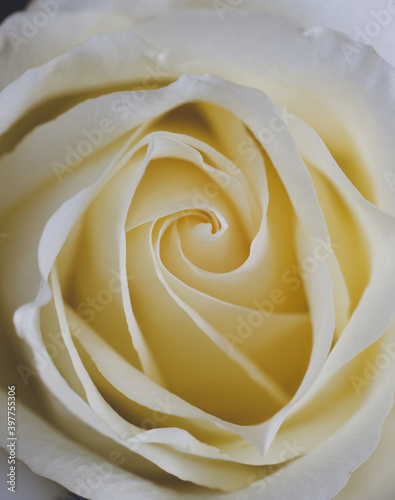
(197, 247)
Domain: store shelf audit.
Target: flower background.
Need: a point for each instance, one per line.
(372, 480)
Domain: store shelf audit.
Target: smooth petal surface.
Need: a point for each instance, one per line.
(363, 22)
(375, 476)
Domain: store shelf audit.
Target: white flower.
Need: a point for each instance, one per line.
(198, 234)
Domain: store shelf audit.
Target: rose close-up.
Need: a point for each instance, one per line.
(197, 249)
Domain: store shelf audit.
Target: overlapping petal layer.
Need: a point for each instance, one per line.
(210, 267)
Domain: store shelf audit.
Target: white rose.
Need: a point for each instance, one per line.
(197, 255)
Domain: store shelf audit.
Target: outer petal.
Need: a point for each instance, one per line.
(23, 45)
(375, 478)
(362, 20)
(30, 485)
